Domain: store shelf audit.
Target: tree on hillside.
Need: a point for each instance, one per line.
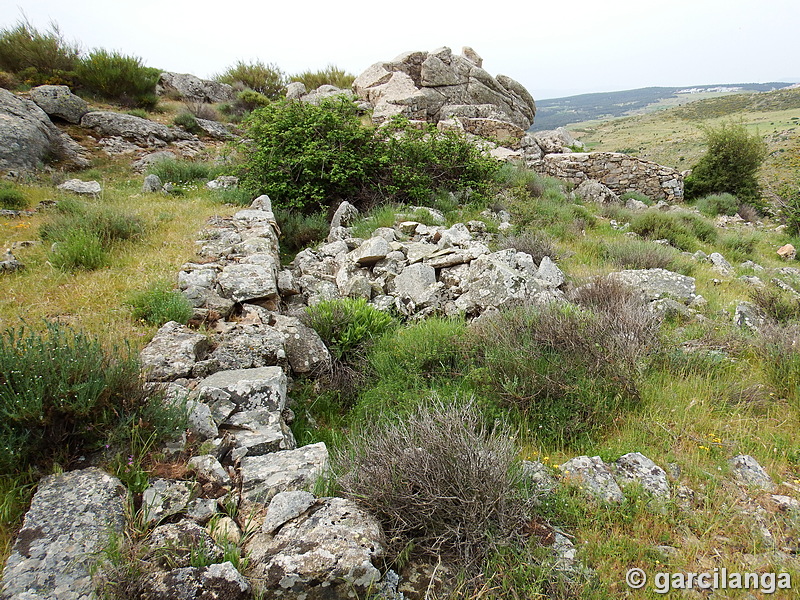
(729, 165)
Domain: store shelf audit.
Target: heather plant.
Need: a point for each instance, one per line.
(183, 171)
(38, 57)
(158, 304)
(330, 75)
(118, 77)
(718, 204)
(264, 78)
(186, 120)
(682, 230)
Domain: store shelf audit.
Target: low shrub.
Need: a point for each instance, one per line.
(300, 231)
(790, 207)
(639, 254)
(440, 481)
(183, 171)
(159, 304)
(266, 79)
(201, 110)
(330, 75)
(235, 196)
(79, 250)
(636, 196)
(718, 204)
(38, 56)
(777, 346)
(187, 121)
(779, 306)
(62, 395)
(681, 229)
(12, 198)
(118, 77)
(107, 223)
(8, 81)
(536, 243)
(739, 247)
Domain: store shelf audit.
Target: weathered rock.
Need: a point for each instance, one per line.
(327, 552)
(619, 172)
(260, 431)
(165, 498)
(594, 191)
(295, 90)
(540, 476)
(209, 468)
(721, 266)
(148, 160)
(370, 252)
(223, 182)
(548, 271)
(635, 467)
(594, 477)
(749, 316)
(305, 350)
(220, 581)
(416, 284)
(152, 184)
(173, 352)
(249, 346)
(201, 421)
(173, 544)
(555, 141)
(251, 389)
(658, 283)
(188, 87)
(9, 263)
(747, 470)
(287, 470)
(284, 507)
(787, 252)
(136, 129)
(28, 138)
(215, 129)
(324, 92)
(70, 519)
(82, 188)
(241, 282)
(59, 101)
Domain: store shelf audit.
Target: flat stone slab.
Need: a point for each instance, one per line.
(250, 389)
(70, 520)
(241, 282)
(261, 431)
(658, 283)
(594, 477)
(288, 470)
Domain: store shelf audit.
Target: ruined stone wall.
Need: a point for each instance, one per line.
(619, 172)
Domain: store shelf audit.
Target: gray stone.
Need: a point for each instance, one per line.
(658, 283)
(594, 191)
(250, 389)
(165, 498)
(201, 421)
(241, 282)
(136, 129)
(594, 477)
(260, 431)
(28, 138)
(370, 252)
(284, 507)
(173, 544)
(220, 581)
(59, 101)
(288, 470)
(549, 272)
(152, 184)
(210, 469)
(173, 352)
(305, 350)
(327, 552)
(786, 503)
(216, 130)
(415, 282)
(9, 263)
(223, 182)
(249, 346)
(325, 92)
(189, 87)
(721, 265)
(555, 141)
(749, 316)
(539, 476)
(747, 470)
(634, 467)
(82, 188)
(201, 510)
(148, 160)
(295, 90)
(68, 524)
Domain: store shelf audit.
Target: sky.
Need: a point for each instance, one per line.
(554, 48)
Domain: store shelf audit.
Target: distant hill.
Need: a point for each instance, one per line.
(560, 112)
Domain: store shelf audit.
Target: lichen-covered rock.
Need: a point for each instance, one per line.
(59, 101)
(635, 467)
(260, 431)
(189, 87)
(658, 283)
(173, 352)
(241, 282)
(594, 191)
(251, 389)
(245, 346)
(284, 507)
(220, 581)
(70, 519)
(152, 184)
(305, 350)
(209, 468)
(165, 498)
(747, 470)
(594, 477)
(327, 552)
(287, 470)
(82, 188)
(174, 544)
(136, 129)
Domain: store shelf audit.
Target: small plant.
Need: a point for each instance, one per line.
(718, 204)
(266, 79)
(682, 229)
(159, 304)
(187, 121)
(79, 250)
(641, 254)
(299, 231)
(777, 304)
(138, 112)
(12, 198)
(183, 171)
(790, 207)
(107, 223)
(636, 196)
(739, 247)
(118, 77)
(440, 480)
(777, 346)
(330, 75)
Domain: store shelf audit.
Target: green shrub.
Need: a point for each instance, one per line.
(235, 196)
(347, 326)
(729, 165)
(62, 395)
(118, 77)
(187, 121)
(777, 346)
(159, 304)
(37, 56)
(8, 81)
(779, 306)
(183, 171)
(718, 204)
(300, 231)
(639, 254)
(266, 79)
(440, 481)
(79, 249)
(636, 196)
(739, 247)
(12, 198)
(138, 112)
(105, 223)
(536, 243)
(681, 229)
(790, 207)
(330, 75)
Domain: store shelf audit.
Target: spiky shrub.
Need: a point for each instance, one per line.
(681, 229)
(730, 163)
(38, 57)
(118, 77)
(79, 250)
(299, 231)
(158, 304)
(440, 479)
(264, 78)
(62, 394)
(11, 197)
(718, 204)
(777, 346)
(779, 306)
(330, 75)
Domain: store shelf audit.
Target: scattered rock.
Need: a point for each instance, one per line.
(82, 188)
(59, 101)
(209, 468)
(749, 316)
(141, 131)
(165, 498)
(188, 87)
(658, 283)
(721, 265)
(152, 184)
(747, 470)
(223, 182)
(9, 263)
(594, 477)
(220, 581)
(787, 252)
(594, 191)
(634, 467)
(172, 545)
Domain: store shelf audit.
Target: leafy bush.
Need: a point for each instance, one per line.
(118, 77)
(682, 229)
(718, 204)
(330, 75)
(347, 326)
(159, 304)
(79, 249)
(729, 165)
(62, 395)
(12, 198)
(37, 56)
(570, 370)
(439, 480)
(187, 121)
(299, 231)
(183, 171)
(266, 79)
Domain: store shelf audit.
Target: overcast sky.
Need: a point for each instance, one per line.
(554, 48)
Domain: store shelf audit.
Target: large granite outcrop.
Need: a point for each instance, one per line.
(432, 86)
(193, 89)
